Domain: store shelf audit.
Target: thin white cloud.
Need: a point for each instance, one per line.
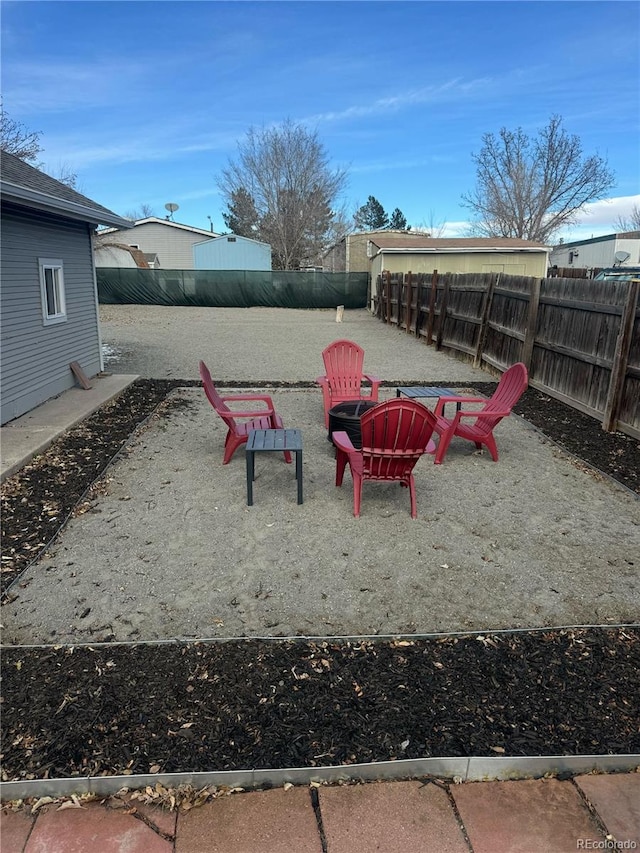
(394, 164)
(450, 90)
(133, 145)
(51, 87)
(196, 194)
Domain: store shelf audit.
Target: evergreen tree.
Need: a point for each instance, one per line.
(241, 217)
(398, 221)
(371, 216)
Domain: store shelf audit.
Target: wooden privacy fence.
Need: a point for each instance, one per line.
(579, 338)
(573, 272)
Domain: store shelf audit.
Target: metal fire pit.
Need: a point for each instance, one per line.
(346, 417)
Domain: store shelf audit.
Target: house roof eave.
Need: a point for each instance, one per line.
(405, 250)
(155, 220)
(41, 201)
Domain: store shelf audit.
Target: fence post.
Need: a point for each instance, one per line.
(620, 358)
(532, 320)
(432, 307)
(388, 300)
(443, 312)
(409, 299)
(419, 304)
(484, 319)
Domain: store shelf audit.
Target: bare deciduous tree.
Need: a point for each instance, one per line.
(286, 174)
(16, 139)
(64, 173)
(629, 223)
(529, 188)
(142, 212)
(431, 226)
(341, 224)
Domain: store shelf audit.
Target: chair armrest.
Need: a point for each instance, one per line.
(444, 424)
(246, 413)
(494, 413)
(251, 398)
(442, 401)
(343, 442)
(269, 409)
(259, 398)
(322, 380)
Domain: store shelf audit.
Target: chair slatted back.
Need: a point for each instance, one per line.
(344, 363)
(214, 398)
(511, 387)
(395, 435)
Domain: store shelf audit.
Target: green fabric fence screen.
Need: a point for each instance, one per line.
(232, 288)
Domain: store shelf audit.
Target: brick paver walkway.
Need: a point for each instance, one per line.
(600, 812)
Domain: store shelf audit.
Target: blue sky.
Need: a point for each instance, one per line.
(146, 101)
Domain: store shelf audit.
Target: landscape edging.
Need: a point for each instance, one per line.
(469, 769)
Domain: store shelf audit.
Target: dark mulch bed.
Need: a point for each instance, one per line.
(248, 704)
(173, 707)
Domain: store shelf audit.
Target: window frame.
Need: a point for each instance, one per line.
(56, 265)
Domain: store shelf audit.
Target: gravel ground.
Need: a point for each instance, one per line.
(166, 546)
(262, 344)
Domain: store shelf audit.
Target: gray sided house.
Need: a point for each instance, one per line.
(170, 243)
(231, 252)
(599, 252)
(49, 305)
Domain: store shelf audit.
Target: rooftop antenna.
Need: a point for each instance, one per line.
(171, 207)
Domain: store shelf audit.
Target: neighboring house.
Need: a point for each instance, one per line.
(350, 253)
(170, 242)
(119, 255)
(598, 252)
(231, 252)
(49, 303)
(398, 253)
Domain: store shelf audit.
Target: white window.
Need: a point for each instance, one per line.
(52, 290)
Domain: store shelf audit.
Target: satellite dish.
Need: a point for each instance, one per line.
(171, 206)
(621, 257)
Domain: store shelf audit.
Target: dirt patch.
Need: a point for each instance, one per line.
(265, 703)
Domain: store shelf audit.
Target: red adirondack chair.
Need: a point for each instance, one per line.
(395, 434)
(238, 430)
(511, 387)
(343, 364)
